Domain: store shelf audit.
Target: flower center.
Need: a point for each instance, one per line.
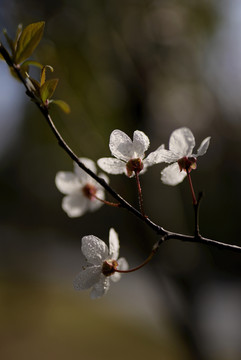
(109, 267)
(135, 165)
(187, 163)
(89, 191)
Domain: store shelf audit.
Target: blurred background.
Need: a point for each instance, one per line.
(138, 64)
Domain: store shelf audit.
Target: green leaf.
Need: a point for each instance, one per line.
(28, 41)
(34, 86)
(33, 63)
(62, 105)
(47, 89)
(43, 73)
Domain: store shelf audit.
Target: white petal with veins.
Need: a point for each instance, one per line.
(100, 288)
(172, 175)
(87, 278)
(140, 144)
(160, 155)
(182, 142)
(113, 244)
(121, 145)
(112, 165)
(94, 249)
(203, 147)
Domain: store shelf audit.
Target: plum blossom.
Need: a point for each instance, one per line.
(99, 265)
(181, 144)
(81, 190)
(129, 156)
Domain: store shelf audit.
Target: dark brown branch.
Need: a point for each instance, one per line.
(196, 215)
(165, 234)
(202, 240)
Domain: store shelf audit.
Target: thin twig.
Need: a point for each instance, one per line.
(106, 202)
(196, 215)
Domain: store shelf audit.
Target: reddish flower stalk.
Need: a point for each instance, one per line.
(107, 202)
(139, 266)
(140, 198)
(194, 200)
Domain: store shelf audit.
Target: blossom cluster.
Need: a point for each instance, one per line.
(83, 194)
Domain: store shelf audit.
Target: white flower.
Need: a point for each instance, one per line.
(181, 144)
(100, 264)
(129, 155)
(81, 189)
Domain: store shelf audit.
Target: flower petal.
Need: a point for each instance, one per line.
(114, 245)
(112, 166)
(203, 147)
(182, 142)
(122, 265)
(100, 193)
(100, 288)
(95, 204)
(82, 175)
(160, 155)
(105, 177)
(140, 144)
(67, 182)
(172, 175)
(94, 249)
(75, 205)
(87, 277)
(121, 145)
(116, 276)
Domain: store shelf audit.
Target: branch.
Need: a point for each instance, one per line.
(164, 234)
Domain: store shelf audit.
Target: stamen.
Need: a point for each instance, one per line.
(109, 267)
(134, 165)
(89, 191)
(187, 163)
